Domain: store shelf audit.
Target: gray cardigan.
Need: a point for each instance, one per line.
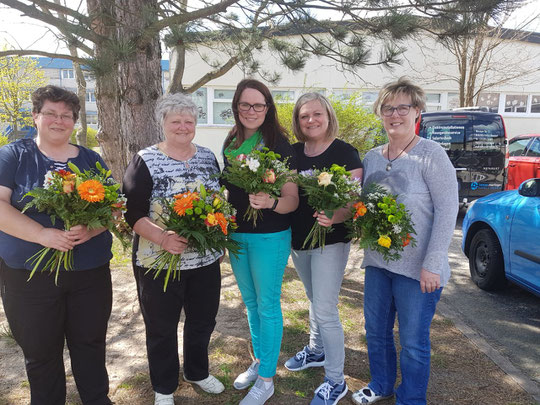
(425, 181)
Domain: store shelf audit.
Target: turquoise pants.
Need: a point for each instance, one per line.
(259, 272)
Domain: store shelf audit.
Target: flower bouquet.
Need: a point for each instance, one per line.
(380, 223)
(88, 198)
(327, 190)
(260, 171)
(204, 218)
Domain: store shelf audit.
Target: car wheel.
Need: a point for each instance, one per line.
(486, 261)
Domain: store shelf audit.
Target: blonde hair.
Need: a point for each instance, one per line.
(401, 86)
(333, 125)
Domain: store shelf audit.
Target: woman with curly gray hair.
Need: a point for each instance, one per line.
(173, 166)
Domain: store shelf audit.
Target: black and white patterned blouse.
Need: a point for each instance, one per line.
(152, 175)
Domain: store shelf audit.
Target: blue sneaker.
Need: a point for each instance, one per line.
(303, 359)
(329, 393)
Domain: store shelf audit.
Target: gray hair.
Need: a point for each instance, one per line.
(333, 125)
(177, 103)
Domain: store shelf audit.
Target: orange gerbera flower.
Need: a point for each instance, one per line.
(222, 221)
(360, 209)
(184, 201)
(91, 191)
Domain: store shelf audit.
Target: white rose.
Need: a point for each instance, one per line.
(324, 179)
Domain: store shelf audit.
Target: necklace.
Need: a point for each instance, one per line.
(317, 150)
(390, 161)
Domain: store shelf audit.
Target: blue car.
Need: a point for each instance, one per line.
(501, 238)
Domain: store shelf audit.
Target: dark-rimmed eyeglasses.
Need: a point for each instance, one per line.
(402, 109)
(49, 115)
(245, 107)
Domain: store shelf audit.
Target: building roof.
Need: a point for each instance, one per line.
(57, 63)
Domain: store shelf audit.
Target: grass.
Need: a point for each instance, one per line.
(6, 334)
(459, 372)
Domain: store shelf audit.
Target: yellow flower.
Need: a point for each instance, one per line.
(91, 191)
(324, 179)
(384, 241)
(211, 220)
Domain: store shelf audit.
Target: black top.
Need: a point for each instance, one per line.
(340, 153)
(270, 221)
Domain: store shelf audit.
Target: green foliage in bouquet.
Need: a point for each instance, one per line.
(380, 223)
(259, 171)
(204, 218)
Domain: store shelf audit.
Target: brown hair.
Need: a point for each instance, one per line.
(55, 94)
(333, 125)
(401, 86)
(271, 129)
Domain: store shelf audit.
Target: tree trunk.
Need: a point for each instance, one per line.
(127, 93)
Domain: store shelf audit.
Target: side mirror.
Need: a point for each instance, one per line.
(530, 188)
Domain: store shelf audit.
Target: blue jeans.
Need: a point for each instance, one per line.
(385, 294)
(321, 271)
(259, 272)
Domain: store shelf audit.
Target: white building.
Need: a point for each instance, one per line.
(60, 72)
(425, 61)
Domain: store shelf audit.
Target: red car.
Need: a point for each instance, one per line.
(524, 160)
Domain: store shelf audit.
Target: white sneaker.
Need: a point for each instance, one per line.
(163, 399)
(258, 394)
(210, 384)
(247, 377)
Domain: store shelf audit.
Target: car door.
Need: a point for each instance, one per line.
(524, 252)
(517, 150)
(486, 143)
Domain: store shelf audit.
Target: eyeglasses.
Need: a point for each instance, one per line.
(53, 117)
(245, 107)
(402, 109)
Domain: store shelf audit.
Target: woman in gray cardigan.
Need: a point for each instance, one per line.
(419, 172)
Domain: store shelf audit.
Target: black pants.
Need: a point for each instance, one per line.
(41, 315)
(198, 293)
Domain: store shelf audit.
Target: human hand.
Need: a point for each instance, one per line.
(261, 200)
(173, 243)
(322, 219)
(429, 281)
(55, 239)
(80, 234)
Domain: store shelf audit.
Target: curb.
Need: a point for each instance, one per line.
(504, 364)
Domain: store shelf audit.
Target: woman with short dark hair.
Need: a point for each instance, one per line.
(40, 314)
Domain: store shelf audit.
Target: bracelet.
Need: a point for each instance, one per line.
(275, 204)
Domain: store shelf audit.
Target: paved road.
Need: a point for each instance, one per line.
(506, 323)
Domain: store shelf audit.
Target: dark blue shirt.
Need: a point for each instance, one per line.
(23, 168)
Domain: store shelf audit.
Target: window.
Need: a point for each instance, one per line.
(200, 98)
(535, 103)
(222, 107)
(453, 100)
(433, 102)
(369, 97)
(90, 97)
(516, 103)
(67, 73)
(91, 119)
(517, 147)
(534, 149)
(283, 96)
(343, 95)
(489, 100)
